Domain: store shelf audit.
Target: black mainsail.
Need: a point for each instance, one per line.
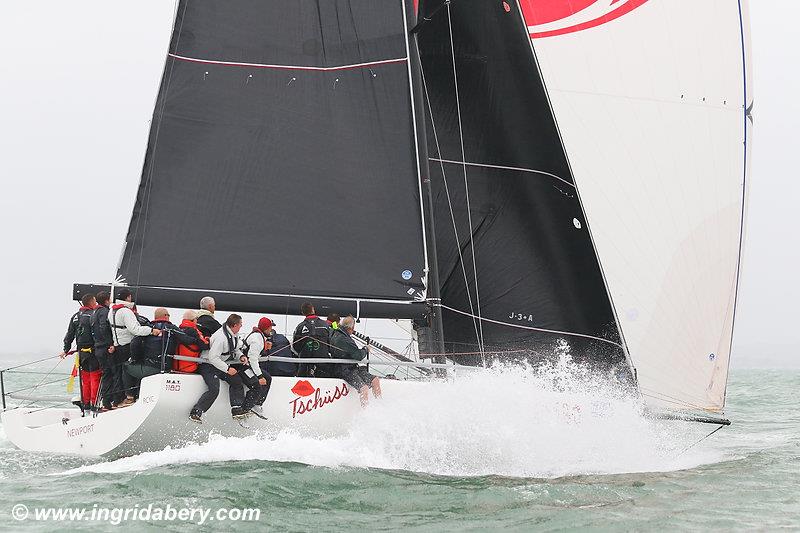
(282, 163)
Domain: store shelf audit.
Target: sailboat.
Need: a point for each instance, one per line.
(508, 175)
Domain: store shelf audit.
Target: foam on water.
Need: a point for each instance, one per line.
(554, 422)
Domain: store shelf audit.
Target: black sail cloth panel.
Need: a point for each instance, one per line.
(282, 157)
(534, 259)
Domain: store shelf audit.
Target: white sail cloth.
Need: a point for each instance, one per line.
(652, 111)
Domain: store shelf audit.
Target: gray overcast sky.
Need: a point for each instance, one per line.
(77, 89)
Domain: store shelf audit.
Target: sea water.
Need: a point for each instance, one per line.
(507, 448)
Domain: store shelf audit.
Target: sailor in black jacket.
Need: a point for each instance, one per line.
(80, 331)
(104, 349)
(206, 323)
(312, 339)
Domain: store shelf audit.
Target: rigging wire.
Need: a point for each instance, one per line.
(698, 442)
(41, 381)
(450, 205)
(466, 184)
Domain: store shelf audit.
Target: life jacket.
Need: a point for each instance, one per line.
(83, 330)
(113, 322)
(192, 350)
(246, 345)
(233, 342)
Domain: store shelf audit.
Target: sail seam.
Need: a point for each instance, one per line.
(288, 67)
(531, 328)
(503, 167)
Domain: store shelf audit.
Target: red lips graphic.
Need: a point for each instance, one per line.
(303, 388)
(540, 12)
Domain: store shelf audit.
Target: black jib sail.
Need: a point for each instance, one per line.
(282, 163)
(515, 257)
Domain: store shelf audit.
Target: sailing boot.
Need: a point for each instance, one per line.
(239, 412)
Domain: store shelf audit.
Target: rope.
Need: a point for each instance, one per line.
(45, 377)
(698, 442)
(466, 184)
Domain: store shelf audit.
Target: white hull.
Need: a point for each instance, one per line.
(161, 417)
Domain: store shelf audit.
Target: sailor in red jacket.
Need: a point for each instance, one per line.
(189, 327)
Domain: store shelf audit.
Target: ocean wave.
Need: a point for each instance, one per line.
(510, 421)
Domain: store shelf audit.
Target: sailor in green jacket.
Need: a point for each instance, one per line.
(344, 347)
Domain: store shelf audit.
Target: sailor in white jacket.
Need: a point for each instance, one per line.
(124, 327)
(224, 352)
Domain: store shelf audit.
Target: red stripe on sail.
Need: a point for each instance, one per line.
(538, 12)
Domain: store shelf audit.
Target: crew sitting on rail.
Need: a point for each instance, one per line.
(125, 325)
(148, 352)
(344, 347)
(80, 330)
(223, 353)
(280, 348)
(199, 342)
(254, 346)
(206, 323)
(312, 340)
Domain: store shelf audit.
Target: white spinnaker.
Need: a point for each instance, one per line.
(651, 109)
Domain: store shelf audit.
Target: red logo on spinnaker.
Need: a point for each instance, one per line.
(547, 18)
(303, 388)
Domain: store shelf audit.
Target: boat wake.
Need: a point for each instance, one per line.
(508, 421)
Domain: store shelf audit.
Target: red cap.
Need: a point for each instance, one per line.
(265, 323)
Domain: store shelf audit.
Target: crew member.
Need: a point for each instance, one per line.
(224, 351)
(198, 343)
(206, 322)
(124, 323)
(80, 331)
(255, 346)
(312, 340)
(344, 347)
(104, 348)
(279, 347)
(151, 355)
(333, 320)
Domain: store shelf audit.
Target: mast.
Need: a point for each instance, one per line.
(430, 331)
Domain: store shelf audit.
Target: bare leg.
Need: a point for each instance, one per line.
(376, 387)
(364, 393)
